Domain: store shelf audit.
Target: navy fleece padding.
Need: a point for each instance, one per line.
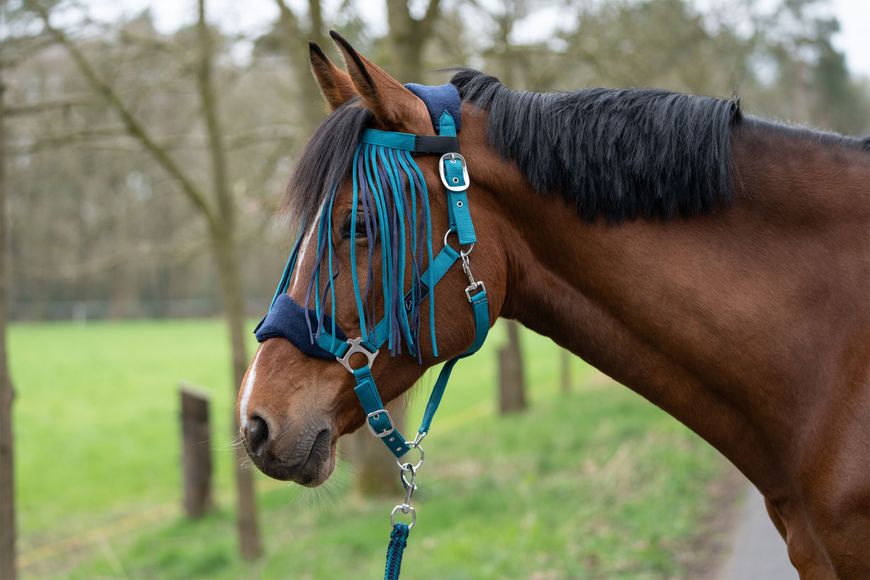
(286, 319)
(439, 99)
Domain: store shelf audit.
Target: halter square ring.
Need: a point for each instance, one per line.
(356, 347)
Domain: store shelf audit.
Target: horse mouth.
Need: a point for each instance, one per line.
(313, 469)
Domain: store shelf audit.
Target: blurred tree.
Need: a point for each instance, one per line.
(219, 212)
(17, 44)
(294, 41)
(809, 82)
(7, 459)
(406, 40)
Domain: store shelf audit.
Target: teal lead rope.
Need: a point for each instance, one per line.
(395, 549)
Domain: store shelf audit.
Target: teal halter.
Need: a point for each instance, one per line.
(284, 318)
(382, 166)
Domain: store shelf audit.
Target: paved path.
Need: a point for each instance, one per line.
(758, 552)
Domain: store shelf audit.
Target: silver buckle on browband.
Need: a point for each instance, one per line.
(454, 158)
(356, 346)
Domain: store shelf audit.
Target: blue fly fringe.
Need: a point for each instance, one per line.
(395, 549)
(391, 197)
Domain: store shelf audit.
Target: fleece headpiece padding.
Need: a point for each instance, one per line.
(439, 99)
(287, 319)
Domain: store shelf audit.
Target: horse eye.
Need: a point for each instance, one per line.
(360, 227)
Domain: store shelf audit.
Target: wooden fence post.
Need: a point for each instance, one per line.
(511, 374)
(196, 451)
(565, 370)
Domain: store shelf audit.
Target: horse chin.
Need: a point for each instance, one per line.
(320, 474)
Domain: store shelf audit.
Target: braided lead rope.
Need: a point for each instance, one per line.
(395, 549)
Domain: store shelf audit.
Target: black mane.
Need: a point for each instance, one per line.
(616, 153)
(325, 161)
(613, 153)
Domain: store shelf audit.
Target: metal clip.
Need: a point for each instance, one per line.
(410, 486)
(473, 284)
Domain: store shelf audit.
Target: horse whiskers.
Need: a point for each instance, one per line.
(330, 493)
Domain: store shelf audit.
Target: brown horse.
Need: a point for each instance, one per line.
(722, 271)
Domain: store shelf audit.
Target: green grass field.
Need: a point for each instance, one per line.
(595, 484)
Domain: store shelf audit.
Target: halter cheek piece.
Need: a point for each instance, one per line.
(288, 319)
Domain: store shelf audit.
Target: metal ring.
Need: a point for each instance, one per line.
(407, 465)
(462, 252)
(405, 509)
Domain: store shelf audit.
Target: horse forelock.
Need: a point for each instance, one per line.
(325, 161)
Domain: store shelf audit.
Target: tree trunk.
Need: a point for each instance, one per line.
(250, 546)
(512, 384)
(375, 467)
(232, 294)
(565, 371)
(7, 463)
(408, 37)
(295, 42)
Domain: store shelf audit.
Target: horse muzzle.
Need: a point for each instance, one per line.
(305, 455)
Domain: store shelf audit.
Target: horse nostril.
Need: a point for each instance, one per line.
(257, 435)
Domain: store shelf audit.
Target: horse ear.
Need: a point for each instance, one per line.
(335, 84)
(395, 107)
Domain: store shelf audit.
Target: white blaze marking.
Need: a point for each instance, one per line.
(247, 390)
(304, 247)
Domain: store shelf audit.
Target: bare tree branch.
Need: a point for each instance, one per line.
(432, 12)
(36, 108)
(136, 130)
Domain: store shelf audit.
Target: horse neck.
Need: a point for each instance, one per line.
(716, 318)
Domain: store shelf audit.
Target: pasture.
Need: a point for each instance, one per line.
(598, 483)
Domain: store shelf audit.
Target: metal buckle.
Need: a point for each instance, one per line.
(454, 158)
(376, 414)
(356, 347)
(472, 287)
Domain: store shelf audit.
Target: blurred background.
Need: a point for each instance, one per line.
(144, 148)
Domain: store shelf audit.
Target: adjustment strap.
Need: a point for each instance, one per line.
(378, 419)
(410, 142)
(440, 266)
(480, 309)
(454, 176)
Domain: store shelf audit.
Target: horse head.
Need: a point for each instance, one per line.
(373, 221)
